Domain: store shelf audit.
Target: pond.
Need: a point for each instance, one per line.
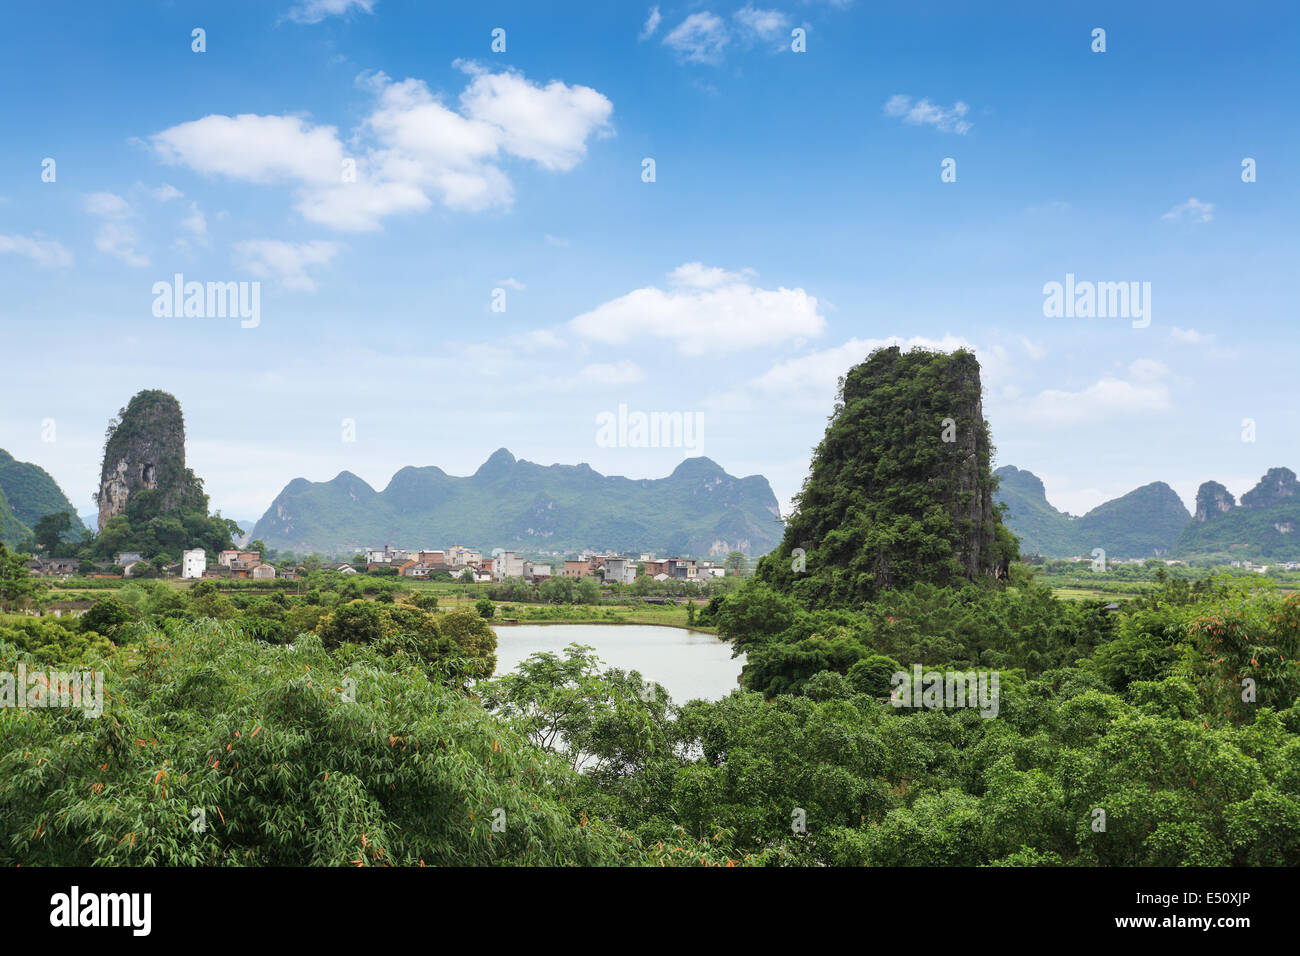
(689, 664)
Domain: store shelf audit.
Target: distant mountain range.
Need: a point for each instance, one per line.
(27, 494)
(1152, 520)
(699, 510)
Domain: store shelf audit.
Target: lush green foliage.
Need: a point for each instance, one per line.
(17, 586)
(1268, 533)
(12, 531)
(27, 494)
(900, 488)
(1143, 754)
(219, 749)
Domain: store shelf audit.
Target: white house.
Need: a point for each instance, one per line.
(386, 555)
(193, 562)
(507, 564)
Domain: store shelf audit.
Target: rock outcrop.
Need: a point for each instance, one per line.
(1261, 527)
(1213, 499)
(1276, 487)
(145, 451)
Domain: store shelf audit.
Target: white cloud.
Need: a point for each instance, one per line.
(1033, 349)
(556, 241)
(46, 253)
(1148, 370)
(410, 149)
(651, 24)
(549, 125)
(165, 193)
(118, 240)
(195, 223)
(259, 149)
(107, 205)
(700, 38)
(950, 119)
(1110, 397)
(286, 262)
(1190, 336)
(114, 237)
(618, 373)
(314, 11)
(765, 25)
(809, 382)
(536, 340)
(512, 283)
(1193, 210)
(707, 310)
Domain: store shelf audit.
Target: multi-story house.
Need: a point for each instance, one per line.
(193, 562)
(620, 571)
(507, 564)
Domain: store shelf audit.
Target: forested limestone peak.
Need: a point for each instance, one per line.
(900, 489)
(144, 450)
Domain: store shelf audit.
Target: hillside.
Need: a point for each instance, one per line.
(900, 489)
(699, 509)
(12, 530)
(1143, 523)
(1265, 525)
(1039, 526)
(28, 494)
(1152, 520)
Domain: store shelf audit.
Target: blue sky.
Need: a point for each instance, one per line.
(797, 220)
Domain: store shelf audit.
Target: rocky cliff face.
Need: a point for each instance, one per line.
(145, 451)
(1277, 485)
(1213, 499)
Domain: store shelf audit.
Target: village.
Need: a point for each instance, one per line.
(457, 561)
(609, 567)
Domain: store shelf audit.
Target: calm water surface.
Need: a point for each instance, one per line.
(689, 664)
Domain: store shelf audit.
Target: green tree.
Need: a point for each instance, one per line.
(475, 638)
(401, 771)
(50, 529)
(107, 616)
(18, 586)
